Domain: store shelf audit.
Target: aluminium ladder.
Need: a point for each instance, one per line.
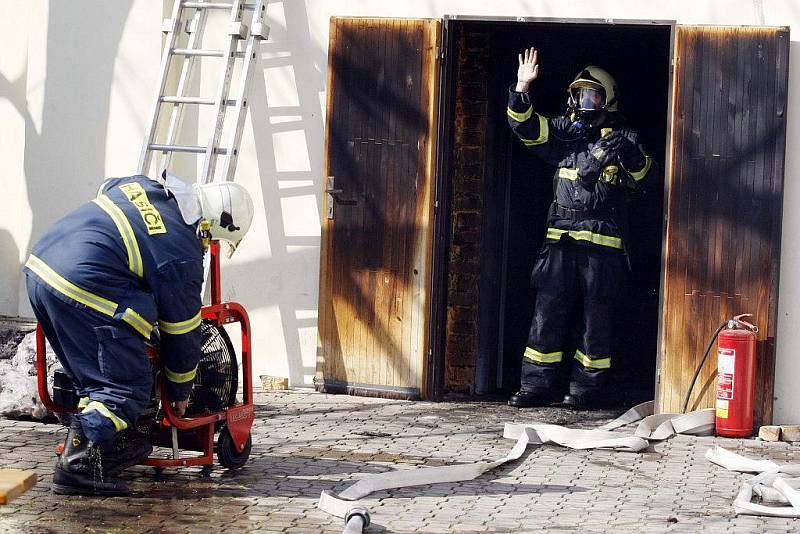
(240, 44)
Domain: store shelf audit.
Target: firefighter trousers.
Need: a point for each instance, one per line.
(569, 277)
(105, 359)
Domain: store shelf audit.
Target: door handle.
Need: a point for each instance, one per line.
(332, 193)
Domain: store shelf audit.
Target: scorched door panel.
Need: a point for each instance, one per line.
(376, 240)
(724, 203)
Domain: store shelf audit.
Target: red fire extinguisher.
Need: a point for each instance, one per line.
(736, 378)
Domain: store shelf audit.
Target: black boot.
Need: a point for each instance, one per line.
(528, 398)
(587, 398)
(126, 449)
(79, 469)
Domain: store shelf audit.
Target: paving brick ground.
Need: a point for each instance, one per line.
(306, 442)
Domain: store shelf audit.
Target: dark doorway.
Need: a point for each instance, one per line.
(518, 188)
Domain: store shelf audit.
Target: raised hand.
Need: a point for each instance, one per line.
(528, 69)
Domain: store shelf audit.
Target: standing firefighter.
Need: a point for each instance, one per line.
(99, 281)
(598, 161)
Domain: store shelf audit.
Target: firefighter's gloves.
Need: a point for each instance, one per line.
(630, 156)
(179, 407)
(609, 150)
(603, 153)
(608, 147)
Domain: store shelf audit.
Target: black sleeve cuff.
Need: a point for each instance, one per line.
(523, 99)
(516, 100)
(178, 392)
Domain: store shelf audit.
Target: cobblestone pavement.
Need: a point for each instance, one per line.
(306, 442)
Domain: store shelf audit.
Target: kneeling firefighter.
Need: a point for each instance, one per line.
(598, 161)
(100, 280)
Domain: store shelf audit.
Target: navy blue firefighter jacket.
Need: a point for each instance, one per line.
(128, 254)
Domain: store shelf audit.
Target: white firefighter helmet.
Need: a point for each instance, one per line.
(228, 208)
(593, 89)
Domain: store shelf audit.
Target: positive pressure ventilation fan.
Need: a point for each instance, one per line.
(217, 373)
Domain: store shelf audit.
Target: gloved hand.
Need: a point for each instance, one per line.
(179, 407)
(607, 148)
(630, 156)
(603, 153)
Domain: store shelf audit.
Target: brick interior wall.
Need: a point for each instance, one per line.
(466, 192)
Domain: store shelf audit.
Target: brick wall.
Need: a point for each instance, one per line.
(466, 203)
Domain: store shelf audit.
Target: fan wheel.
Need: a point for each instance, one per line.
(227, 454)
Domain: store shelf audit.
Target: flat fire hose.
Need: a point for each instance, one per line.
(651, 427)
(776, 485)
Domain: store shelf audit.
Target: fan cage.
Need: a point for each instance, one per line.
(217, 380)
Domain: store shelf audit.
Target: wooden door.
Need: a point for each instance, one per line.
(377, 218)
(724, 203)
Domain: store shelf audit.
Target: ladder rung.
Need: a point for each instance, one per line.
(208, 5)
(194, 100)
(202, 52)
(185, 148)
(214, 5)
(188, 100)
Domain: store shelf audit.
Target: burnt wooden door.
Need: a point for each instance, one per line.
(377, 218)
(724, 203)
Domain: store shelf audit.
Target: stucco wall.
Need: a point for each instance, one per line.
(76, 79)
(76, 83)
(16, 217)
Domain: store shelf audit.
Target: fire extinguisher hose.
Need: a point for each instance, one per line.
(700, 365)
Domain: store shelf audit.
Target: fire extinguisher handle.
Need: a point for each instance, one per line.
(738, 319)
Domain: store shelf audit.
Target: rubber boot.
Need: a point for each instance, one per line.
(587, 398)
(79, 468)
(528, 398)
(126, 449)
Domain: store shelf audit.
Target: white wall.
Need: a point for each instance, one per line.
(73, 98)
(15, 219)
(88, 80)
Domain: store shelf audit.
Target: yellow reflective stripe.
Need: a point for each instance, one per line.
(150, 215)
(182, 327)
(180, 378)
(95, 302)
(520, 117)
(119, 424)
(586, 235)
(544, 133)
(125, 231)
(138, 322)
(555, 233)
(83, 403)
(569, 174)
(638, 175)
(601, 363)
(65, 287)
(543, 357)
